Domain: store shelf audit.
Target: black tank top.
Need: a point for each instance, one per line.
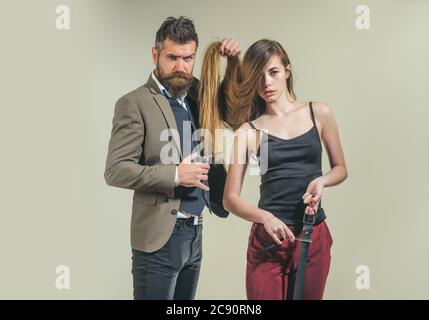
(292, 165)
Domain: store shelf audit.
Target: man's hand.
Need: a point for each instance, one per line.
(229, 47)
(191, 173)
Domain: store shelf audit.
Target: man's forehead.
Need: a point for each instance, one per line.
(171, 47)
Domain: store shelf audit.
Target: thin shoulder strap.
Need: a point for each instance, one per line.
(258, 132)
(312, 113)
(252, 125)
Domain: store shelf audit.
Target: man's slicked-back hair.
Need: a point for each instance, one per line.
(180, 30)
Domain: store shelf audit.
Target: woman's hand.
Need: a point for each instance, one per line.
(277, 229)
(313, 194)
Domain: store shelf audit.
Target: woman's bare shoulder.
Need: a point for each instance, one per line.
(322, 108)
(322, 111)
(245, 131)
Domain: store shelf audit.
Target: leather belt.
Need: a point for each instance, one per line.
(307, 229)
(190, 220)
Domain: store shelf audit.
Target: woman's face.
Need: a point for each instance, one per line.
(273, 82)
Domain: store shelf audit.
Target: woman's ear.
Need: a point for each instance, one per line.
(288, 71)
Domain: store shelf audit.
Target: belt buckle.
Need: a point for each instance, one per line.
(309, 218)
(191, 218)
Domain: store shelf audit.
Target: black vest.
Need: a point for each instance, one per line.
(193, 199)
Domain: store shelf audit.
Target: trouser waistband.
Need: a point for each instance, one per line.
(190, 220)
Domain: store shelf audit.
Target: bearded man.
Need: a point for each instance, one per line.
(152, 151)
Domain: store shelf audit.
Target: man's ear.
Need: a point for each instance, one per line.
(155, 54)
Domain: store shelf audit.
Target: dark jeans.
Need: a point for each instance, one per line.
(171, 272)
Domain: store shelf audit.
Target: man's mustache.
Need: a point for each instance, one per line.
(179, 75)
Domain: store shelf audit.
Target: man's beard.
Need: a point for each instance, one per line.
(178, 83)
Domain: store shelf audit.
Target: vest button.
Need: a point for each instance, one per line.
(173, 212)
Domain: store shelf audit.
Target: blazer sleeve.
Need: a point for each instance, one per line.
(123, 169)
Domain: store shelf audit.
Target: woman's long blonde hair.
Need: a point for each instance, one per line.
(235, 100)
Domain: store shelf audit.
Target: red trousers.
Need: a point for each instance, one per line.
(271, 275)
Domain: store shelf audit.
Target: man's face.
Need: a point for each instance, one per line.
(174, 65)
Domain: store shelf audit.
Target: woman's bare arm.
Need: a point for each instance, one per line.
(332, 143)
(234, 181)
(331, 140)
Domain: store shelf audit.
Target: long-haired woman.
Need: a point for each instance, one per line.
(285, 134)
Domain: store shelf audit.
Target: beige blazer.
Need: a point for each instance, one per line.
(133, 162)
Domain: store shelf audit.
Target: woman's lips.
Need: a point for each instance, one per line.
(269, 92)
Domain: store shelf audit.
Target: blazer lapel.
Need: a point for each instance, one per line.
(165, 108)
(166, 111)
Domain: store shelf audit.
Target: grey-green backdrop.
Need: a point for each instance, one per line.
(58, 89)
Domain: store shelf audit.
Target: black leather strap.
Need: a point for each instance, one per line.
(307, 230)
